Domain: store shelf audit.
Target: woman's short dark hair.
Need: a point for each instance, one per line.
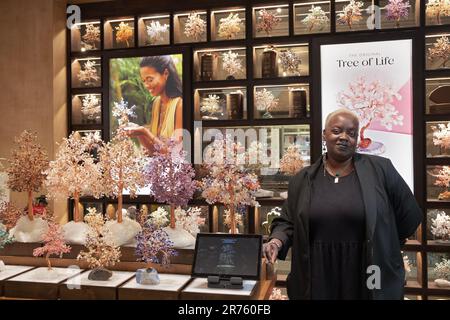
(160, 63)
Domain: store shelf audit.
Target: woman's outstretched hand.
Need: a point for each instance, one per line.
(270, 250)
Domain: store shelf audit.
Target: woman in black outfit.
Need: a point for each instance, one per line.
(345, 219)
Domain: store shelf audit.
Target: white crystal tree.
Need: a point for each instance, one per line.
(230, 26)
(122, 170)
(211, 106)
(75, 173)
(316, 18)
(440, 227)
(265, 102)
(231, 64)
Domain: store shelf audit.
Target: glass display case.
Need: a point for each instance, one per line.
(241, 216)
(311, 17)
(271, 21)
(190, 27)
(281, 101)
(268, 144)
(437, 51)
(86, 72)
(264, 216)
(437, 95)
(438, 139)
(228, 24)
(353, 15)
(154, 30)
(119, 33)
(86, 109)
(437, 12)
(220, 64)
(399, 13)
(228, 103)
(85, 36)
(438, 183)
(411, 261)
(438, 227)
(438, 270)
(281, 60)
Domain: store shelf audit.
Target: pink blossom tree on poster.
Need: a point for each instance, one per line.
(371, 100)
(373, 79)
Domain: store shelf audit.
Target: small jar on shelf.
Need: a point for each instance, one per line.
(154, 30)
(85, 36)
(271, 21)
(190, 27)
(119, 33)
(228, 24)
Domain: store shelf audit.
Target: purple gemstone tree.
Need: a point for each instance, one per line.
(153, 243)
(396, 10)
(170, 177)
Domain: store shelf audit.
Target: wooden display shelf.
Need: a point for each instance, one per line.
(81, 288)
(35, 284)
(169, 288)
(20, 249)
(11, 271)
(121, 287)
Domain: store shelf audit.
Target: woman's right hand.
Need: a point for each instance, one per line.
(271, 249)
(135, 132)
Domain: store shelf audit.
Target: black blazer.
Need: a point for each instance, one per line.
(392, 215)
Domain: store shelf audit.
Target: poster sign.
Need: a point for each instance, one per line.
(374, 80)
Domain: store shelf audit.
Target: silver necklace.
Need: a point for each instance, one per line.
(336, 174)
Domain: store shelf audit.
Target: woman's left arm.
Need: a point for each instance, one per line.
(179, 115)
(408, 214)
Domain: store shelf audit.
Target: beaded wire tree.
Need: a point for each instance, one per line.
(122, 167)
(27, 166)
(54, 243)
(170, 176)
(74, 172)
(101, 251)
(227, 182)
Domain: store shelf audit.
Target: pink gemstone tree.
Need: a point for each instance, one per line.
(122, 168)
(170, 177)
(54, 243)
(371, 101)
(74, 172)
(227, 182)
(397, 10)
(26, 167)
